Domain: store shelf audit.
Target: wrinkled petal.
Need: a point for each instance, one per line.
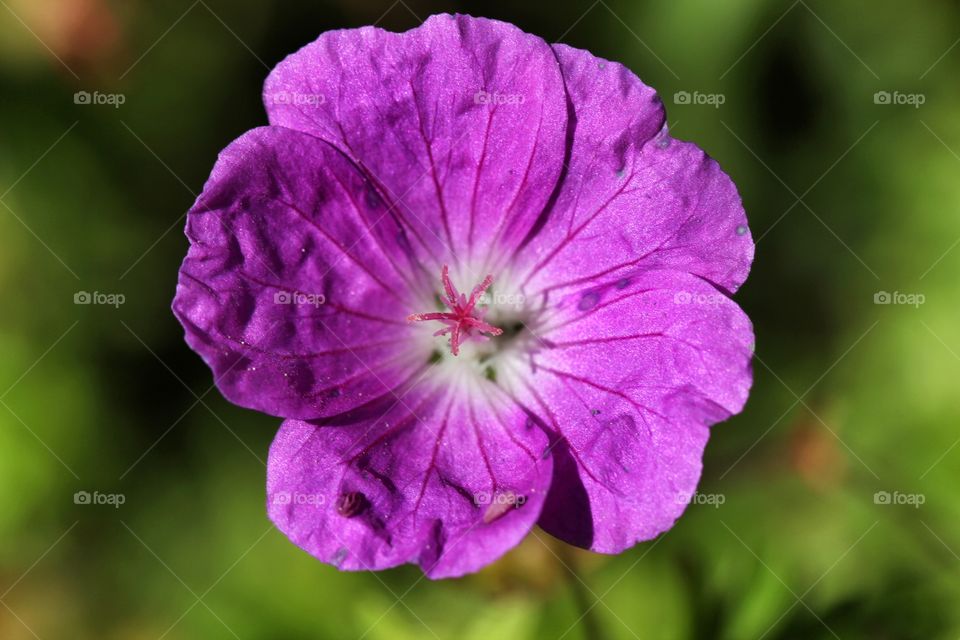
(633, 197)
(630, 376)
(461, 121)
(291, 287)
(439, 480)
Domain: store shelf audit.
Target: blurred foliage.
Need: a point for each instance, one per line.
(846, 198)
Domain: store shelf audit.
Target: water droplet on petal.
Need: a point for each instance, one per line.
(741, 229)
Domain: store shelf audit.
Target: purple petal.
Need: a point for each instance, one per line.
(438, 480)
(631, 375)
(461, 121)
(291, 289)
(634, 197)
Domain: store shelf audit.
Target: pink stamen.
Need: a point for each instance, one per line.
(463, 319)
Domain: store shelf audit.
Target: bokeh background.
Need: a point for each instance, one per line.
(828, 509)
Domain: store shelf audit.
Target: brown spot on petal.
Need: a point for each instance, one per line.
(500, 504)
(351, 504)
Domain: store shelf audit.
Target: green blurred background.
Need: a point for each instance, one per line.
(828, 509)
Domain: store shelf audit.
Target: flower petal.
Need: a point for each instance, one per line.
(446, 483)
(462, 122)
(631, 375)
(291, 287)
(634, 197)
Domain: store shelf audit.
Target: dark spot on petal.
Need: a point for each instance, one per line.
(588, 301)
(404, 243)
(301, 378)
(364, 466)
(351, 504)
(371, 197)
(490, 374)
(623, 283)
(500, 504)
(594, 412)
(435, 357)
(464, 493)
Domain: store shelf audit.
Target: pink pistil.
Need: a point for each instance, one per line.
(464, 318)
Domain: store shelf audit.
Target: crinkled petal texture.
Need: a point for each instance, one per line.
(642, 349)
(462, 121)
(470, 143)
(633, 197)
(445, 483)
(631, 375)
(290, 288)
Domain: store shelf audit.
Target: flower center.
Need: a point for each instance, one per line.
(465, 319)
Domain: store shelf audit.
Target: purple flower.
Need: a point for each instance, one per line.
(573, 388)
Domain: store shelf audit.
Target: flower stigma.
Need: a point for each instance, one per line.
(465, 318)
